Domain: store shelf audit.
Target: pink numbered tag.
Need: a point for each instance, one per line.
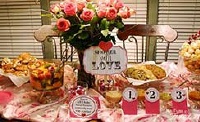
(152, 101)
(84, 106)
(129, 101)
(179, 101)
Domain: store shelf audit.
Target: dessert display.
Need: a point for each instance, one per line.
(190, 52)
(145, 72)
(46, 76)
(19, 65)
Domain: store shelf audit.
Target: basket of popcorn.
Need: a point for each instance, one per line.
(190, 53)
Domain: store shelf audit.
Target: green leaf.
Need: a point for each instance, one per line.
(83, 35)
(119, 25)
(104, 24)
(90, 6)
(105, 32)
(95, 20)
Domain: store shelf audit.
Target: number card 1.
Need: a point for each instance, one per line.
(152, 102)
(129, 101)
(179, 101)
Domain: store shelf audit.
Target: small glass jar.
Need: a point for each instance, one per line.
(80, 88)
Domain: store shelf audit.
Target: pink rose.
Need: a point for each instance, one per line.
(125, 12)
(70, 9)
(104, 2)
(132, 12)
(111, 14)
(62, 5)
(119, 4)
(87, 14)
(81, 5)
(63, 24)
(55, 8)
(101, 12)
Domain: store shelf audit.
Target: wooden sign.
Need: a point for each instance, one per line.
(97, 61)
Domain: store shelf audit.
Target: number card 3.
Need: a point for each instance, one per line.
(152, 102)
(129, 101)
(179, 101)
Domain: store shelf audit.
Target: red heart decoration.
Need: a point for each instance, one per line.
(105, 46)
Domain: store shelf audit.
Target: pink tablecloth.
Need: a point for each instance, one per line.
(24, 106)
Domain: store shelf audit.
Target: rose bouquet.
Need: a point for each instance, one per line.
(82, 23)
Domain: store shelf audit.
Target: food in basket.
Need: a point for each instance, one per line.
(145, 72)
(94, 120)
(19, 65)
(194, 95)
(165, 96)
(141, 94)
(156, 70)
(48, 76)
(190, 52)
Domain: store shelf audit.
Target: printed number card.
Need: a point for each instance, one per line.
(152, 101)
(84, 106)
(179, 101)
(129, 101)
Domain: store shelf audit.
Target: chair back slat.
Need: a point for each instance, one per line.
(146, 31)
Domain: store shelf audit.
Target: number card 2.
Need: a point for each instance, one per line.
(129, 101)
(152, 102)
(179, 101)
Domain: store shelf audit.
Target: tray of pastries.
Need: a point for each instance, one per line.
(17, 66)
(139, 74)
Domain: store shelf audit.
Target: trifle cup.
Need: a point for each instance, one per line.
(47, 78)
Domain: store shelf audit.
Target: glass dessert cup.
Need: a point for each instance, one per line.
(113, 96)
(80, 88)
(47, 79)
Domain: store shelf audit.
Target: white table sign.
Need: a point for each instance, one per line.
(83, 106)
(97, 61)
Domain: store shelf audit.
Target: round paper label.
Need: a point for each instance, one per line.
(178, 94)
(83, 106)
(152, 95)
(130, 94)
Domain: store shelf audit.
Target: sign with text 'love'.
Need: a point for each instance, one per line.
(97, 61)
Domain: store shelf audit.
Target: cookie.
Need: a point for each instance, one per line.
(156, 70)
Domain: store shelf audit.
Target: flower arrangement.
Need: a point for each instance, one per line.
(83, 23)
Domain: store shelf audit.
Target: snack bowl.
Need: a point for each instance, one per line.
(47, 76)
